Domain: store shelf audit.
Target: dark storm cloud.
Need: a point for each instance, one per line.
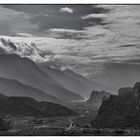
(65, 20)
(50, 16)
(79, 10)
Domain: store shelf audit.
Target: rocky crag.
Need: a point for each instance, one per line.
(120, 111)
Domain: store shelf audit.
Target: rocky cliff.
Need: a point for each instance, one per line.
(120, 111)
(97, 97)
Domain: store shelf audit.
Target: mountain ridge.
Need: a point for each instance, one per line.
(12, 87)
(26, 106)
(27, 72)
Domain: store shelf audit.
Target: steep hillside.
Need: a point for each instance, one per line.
(25, 106)
(70, 83)
(11, 87)
(27, 72)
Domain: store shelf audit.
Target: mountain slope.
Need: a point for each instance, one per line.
(65, 80)
(90, 85)
(11, 87)
(25, 106)
(26, 71)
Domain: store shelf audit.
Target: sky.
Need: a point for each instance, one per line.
(97, 41)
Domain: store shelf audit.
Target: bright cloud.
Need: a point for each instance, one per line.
(67, 9)
(66, 30)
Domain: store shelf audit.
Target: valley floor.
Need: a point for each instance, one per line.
(59, 126)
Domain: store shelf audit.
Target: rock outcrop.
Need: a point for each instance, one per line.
(125, 90)
(120, 111)
(97, 97)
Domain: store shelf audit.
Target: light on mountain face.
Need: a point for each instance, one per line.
(9, 45)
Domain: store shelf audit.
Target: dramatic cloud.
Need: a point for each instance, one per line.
(45, 17)
(25, 48)
(67, 9)
(92, 40)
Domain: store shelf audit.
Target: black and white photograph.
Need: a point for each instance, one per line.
(69, 69)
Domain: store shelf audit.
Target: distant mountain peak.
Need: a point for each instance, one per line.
(10, 45)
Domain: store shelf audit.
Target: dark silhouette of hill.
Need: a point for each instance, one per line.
(26, 106)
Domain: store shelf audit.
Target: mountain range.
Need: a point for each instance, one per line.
(11, 87)
(26, 71)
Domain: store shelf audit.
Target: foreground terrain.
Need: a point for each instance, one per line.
(58, 126)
